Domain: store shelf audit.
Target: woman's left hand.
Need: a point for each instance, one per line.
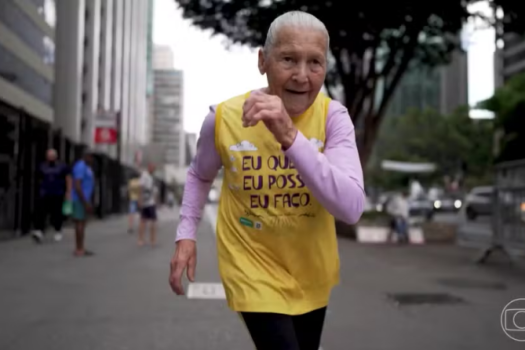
(269, 109)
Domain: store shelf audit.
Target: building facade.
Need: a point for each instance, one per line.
(27, 56)
(102, 55)
(61, 62)
(191, 147)
(167, 135)
(163, 57)
(510, 59)
(167, 128)
(442, 89)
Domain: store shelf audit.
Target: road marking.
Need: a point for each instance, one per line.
(206, 291)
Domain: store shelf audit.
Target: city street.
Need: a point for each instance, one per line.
(474, 234)
(120, 298)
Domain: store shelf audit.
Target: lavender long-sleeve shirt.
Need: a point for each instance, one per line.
(334, 177)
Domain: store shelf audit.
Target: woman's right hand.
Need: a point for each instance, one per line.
(184, 258)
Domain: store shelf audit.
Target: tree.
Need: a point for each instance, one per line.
(508, 103)
(455, 143)
(372, 42)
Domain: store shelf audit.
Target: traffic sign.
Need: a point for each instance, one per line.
(105, 135)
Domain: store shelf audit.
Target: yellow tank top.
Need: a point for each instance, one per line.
(277, 245)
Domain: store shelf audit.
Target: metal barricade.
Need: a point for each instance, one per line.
(508, 219)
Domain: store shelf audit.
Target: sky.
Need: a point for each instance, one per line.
(213, 73)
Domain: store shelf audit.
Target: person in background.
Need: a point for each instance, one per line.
(148, 204)
(55, 187)
(133, 193)
(83, 187)
(171, 199)
(399, 209)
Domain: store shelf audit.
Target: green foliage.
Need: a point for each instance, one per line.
(508, 103)
(372, 42)
(453, 142)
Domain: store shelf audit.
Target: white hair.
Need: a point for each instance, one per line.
(297, 19)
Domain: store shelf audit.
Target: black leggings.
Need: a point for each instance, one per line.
(271, 331)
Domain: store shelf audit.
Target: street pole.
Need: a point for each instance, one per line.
(119, 147)
(119, 163)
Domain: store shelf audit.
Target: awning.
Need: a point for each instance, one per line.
(408, 167)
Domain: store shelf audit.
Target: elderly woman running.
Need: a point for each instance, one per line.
(290, 166)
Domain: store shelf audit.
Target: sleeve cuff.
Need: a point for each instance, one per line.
(187, 228)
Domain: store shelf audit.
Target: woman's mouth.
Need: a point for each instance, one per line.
(295, 92)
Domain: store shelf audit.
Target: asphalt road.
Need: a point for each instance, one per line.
(120, 299)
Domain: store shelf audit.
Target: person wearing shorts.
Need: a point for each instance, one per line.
(148, 205)
(83, 187)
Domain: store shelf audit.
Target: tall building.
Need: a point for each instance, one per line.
(191, 147)
(162, 57)
(509, 60)
(167, 131)
(442, 89)
(27, 54)
(102, 55)
(167, 128)
(149, 73)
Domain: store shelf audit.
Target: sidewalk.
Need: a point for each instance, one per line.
(120, 298)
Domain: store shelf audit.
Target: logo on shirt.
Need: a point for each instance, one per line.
(249, 223)
(243, 146)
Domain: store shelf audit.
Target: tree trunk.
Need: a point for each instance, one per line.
(368, 138)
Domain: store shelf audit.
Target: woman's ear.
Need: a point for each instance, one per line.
(262, 62)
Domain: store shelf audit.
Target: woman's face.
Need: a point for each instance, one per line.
(296, 67)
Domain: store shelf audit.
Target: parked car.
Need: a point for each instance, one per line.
(421, 207)
(447, 204)
(479, 202)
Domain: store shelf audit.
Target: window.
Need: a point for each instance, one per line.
(482, 191)
(24, 77)
(516, 58)
(512, 39)
(27, 31)
(169, 100)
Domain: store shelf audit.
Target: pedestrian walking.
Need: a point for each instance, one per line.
(133, 196)
(148, 205)
(399, 210)
(55, 187)
(83, 187)
(290, 166)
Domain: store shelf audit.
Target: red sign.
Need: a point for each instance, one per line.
(105, 136)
